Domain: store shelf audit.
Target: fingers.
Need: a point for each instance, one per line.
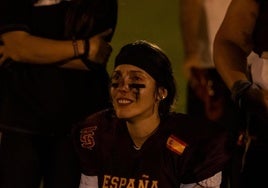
(100, 50)
(109, 48)
(105, 54)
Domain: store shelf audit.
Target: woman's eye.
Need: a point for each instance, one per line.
(135, 78)
(115, 77)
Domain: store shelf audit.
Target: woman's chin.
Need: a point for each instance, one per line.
(123, 114)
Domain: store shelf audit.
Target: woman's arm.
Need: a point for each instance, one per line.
(23, 47)
(233, 41)
(191, 15)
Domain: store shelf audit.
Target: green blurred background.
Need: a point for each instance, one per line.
(156, 21)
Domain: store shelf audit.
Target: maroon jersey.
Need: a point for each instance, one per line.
(180, 151)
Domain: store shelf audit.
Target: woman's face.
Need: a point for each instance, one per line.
(133, 93)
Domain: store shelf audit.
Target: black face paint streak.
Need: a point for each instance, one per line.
(115, 85)
(137, 88)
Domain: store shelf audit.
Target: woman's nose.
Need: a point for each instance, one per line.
(123, 85)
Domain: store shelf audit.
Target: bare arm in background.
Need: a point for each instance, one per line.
(190, 24)
(233, 41)
(24, 47)
(232, 45)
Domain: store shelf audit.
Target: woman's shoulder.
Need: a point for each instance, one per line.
(185, 120)
(95, 122)
(99, 119)
(191, 137)
(192, 128)
(100, 115)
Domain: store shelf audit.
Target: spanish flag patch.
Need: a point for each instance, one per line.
(175, 144)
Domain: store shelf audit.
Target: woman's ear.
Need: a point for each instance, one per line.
(162, 93)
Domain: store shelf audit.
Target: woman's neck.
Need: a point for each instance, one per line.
(141, 130)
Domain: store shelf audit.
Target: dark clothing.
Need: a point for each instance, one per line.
(48, 100)
(256, 155)
(225, 113)
(260, 38)
(40, 103)
(28, 159)
(180, 151)
(44, 98)
(255, 151)
(220, 101)
(255, 161)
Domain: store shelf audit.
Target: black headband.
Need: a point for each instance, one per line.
(145, 56)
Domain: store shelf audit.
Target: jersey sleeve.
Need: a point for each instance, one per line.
(86, 143)
(208, 150)
(213, 182)
(211, 156)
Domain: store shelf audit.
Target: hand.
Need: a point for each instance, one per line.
(253, 102)
(191, 61)
(100, 50)
(199, 82)
(209, 91)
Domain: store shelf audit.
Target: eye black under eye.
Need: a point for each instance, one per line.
(137, 86)
(114, 85)
(131, 86)
(115, 76)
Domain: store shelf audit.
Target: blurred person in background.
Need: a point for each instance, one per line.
(244, 30)
(207, 95)
(53, 73)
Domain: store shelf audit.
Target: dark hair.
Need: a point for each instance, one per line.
(154, 61)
